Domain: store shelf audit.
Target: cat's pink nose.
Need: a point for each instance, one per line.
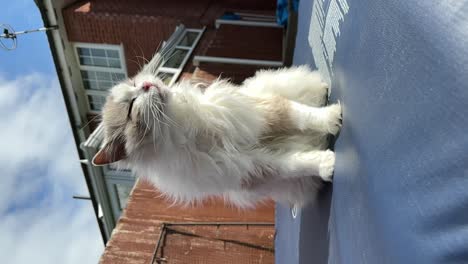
(146, 86)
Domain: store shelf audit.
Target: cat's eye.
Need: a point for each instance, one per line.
(130, 108)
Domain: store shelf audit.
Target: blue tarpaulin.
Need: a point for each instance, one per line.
(400, 190)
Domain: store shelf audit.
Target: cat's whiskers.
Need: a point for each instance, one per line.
(154, 130)
(157, 113)
(163, 122)
(152, 66)
(155, 116)
(143, 58)
(157, 59)
(91, 120)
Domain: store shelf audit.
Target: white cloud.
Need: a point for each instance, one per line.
(39, 221)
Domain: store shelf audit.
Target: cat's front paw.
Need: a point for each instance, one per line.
(327, 165)
(334, 119)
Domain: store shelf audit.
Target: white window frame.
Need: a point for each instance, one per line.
(123, 70)
(177, 71)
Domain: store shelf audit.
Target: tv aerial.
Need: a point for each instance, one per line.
(8, 37)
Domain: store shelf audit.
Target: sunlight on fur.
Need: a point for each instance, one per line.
(264, 139)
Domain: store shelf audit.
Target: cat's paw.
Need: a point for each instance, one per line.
(334, 119)
(327, 165)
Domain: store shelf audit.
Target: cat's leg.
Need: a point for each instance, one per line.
(313, 163)
(326, 119)
(296, 83)
(319, 163)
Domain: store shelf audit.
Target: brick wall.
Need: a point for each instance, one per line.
(140, 34)
(142, 25)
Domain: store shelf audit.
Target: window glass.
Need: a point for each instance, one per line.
(83, 51)
(117, 77)
(175, 58)
(99, 57)
(86, 60)
(106, 71)
(189, 39)
(112, 54)
(103, 76)
(99, 80)
(104, 86)
(114, 63)
(96, 102)
(98, 53)
(99, 62)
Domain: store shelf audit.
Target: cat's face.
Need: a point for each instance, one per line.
(130, 116)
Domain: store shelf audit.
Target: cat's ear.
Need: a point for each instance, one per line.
(111, 152)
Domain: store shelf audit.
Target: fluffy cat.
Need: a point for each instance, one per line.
(266, 138)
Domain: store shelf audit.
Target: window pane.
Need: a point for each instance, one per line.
(98, 53)
(83, 51)
(105, 85)
(189, 39)
(103, 76)
(86, 84)
(96, 102)
(174, 60)
(92, 85)
(95, 107)
(86, 60)
(100, 62)
(112, 54)
(114, 63)
(117, 77)
(91, 75)
(123, 191)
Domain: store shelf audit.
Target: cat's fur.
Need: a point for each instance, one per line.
(263, 139)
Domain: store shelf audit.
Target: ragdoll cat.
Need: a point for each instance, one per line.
(263, 139)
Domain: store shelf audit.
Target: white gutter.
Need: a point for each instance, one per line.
(198, 59)
(65, 71)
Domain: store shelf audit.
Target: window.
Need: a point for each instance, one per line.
(102, 66)
(99, 80)
(189, 39)
(99, 57)
(177, 57)
(119, 188)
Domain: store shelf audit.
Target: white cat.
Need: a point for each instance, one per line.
(264, 139)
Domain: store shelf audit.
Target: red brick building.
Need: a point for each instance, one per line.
(101, 42)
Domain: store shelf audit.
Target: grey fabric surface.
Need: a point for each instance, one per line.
(400, 192)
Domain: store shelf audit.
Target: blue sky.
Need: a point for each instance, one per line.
(39, 220)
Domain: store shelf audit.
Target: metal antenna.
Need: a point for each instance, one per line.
(8, 40)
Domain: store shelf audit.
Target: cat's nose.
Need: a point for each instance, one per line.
(146, 86)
